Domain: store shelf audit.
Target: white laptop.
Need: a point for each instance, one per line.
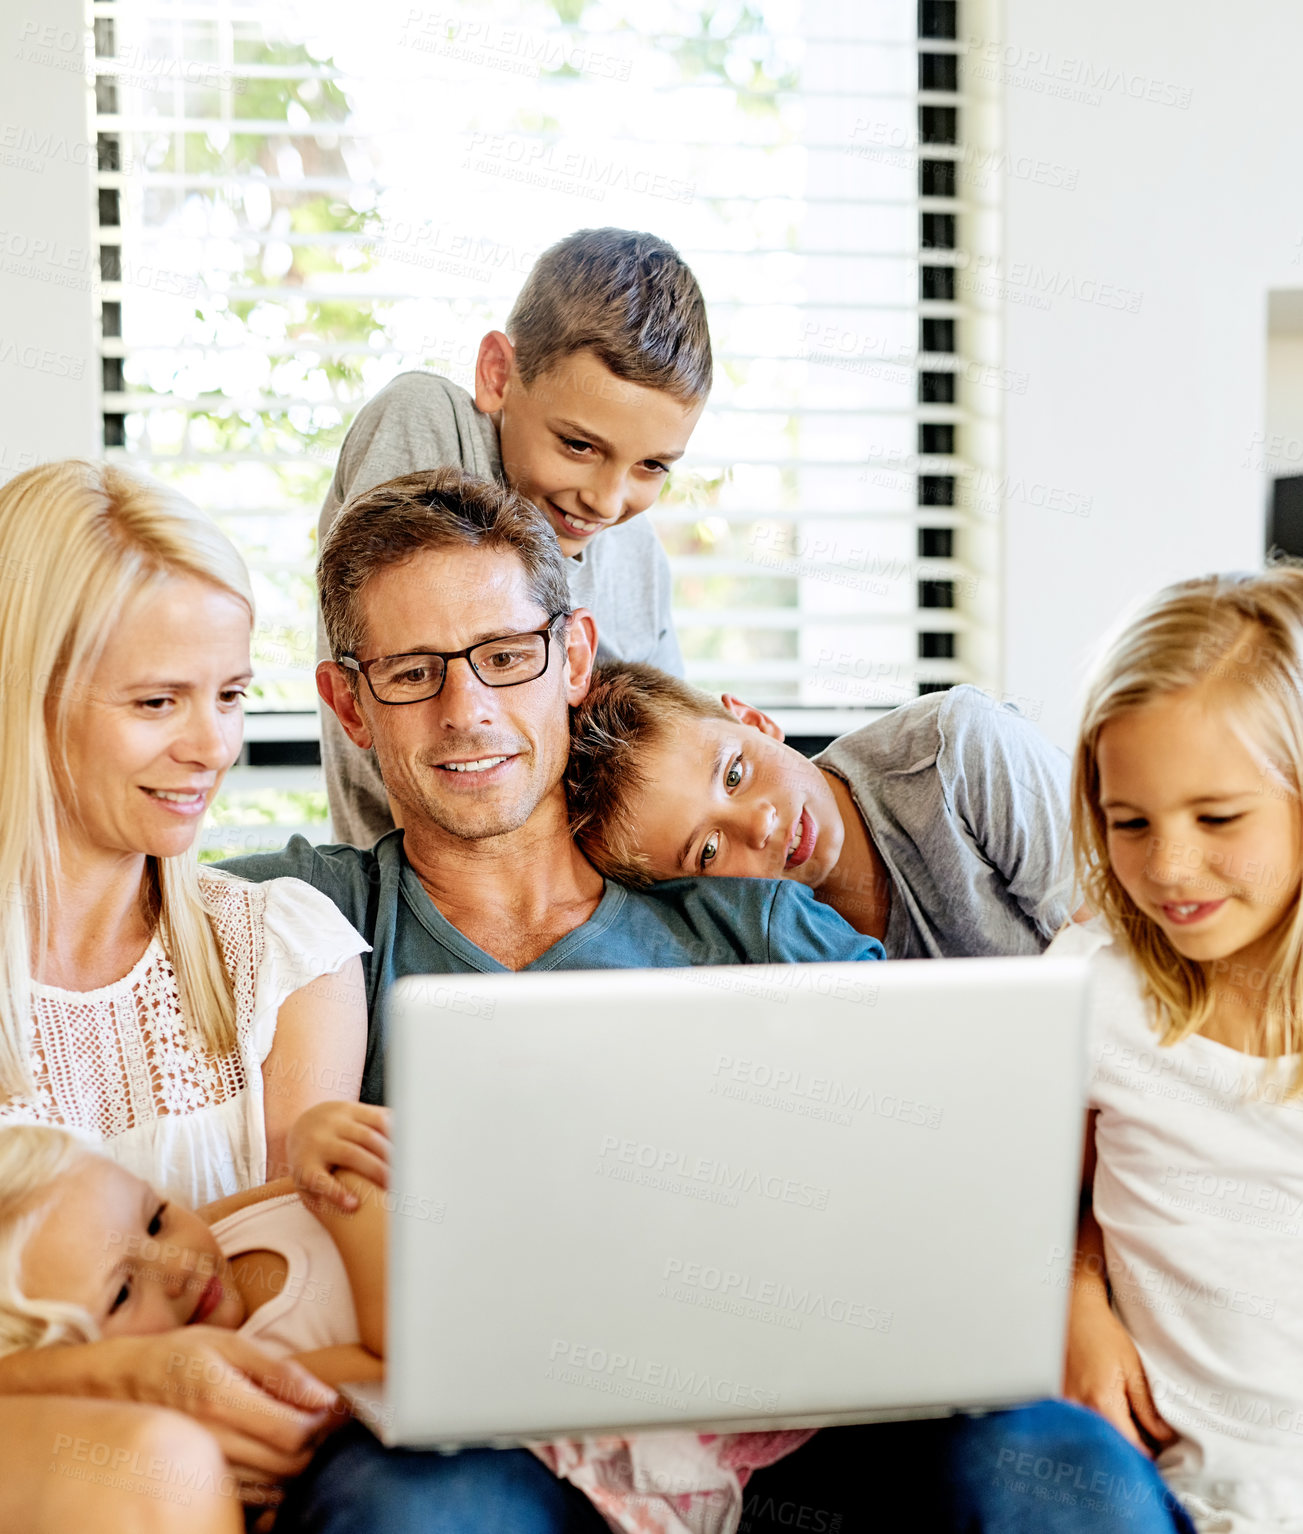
(745, 1198)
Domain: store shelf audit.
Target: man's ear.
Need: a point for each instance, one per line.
(332, 684)
(493, 367)
(751, 716)
(580, 654)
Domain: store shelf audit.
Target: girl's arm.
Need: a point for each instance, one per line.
(334, 1137)
(317, 1055)
(348, 1363)
(362, 1236)
(1102, 1369)
(221, 1207)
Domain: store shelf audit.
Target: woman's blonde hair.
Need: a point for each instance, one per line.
(79, 544)
(32, 1159)
(1242, 634)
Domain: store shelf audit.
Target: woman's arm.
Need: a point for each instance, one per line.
(317, 1055)
(264, 1412)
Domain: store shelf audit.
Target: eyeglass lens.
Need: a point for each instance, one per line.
(497, 663)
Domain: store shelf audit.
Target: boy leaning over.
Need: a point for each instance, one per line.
(581, 405)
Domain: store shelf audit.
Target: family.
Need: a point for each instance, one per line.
(192, 1130)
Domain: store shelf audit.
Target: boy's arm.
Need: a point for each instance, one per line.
(362, 1237)
(1010, 788)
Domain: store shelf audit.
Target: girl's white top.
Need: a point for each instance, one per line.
(116, 1065)
(1199, 1191)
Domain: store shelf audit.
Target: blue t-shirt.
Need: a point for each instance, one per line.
(684, 922)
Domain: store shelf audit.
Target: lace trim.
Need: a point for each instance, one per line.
(109, 1060)
(152, 951)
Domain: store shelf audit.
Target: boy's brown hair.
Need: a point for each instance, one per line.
(629, 298)
(629, 710)
(431, 509)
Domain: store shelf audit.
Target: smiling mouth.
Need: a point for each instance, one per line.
(480, 764)
(580, 527)
(1188, 911)
(188, 796)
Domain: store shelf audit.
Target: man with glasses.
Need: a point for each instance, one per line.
(456, 656)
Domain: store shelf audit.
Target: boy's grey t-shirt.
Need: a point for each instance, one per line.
(423, 421)
(967, 805)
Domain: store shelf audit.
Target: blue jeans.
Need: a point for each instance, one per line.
(1050, 1468)
(355, 1485)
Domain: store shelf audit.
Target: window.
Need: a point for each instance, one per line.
(298, 202)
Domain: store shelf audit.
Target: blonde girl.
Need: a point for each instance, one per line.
(1189, 845)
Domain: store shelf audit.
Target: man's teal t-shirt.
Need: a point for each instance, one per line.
(684, 922)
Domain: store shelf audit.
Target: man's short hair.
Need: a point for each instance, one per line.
(630, 709)
(628, 298)
(432, 509)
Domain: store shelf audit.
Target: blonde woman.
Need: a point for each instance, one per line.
(177, 1018)
(1187, 1320)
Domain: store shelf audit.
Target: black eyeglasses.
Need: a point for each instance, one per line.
(418, 676)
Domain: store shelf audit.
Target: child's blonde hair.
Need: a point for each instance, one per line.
(79, 543)
(1243, 634)
(32, 1159)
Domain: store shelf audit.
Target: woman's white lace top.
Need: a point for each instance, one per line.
(116, 1067)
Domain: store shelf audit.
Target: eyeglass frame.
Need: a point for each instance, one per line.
(362, 667)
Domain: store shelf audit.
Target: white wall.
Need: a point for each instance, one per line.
(49, 384)
(1157, 417)
(1283, 447)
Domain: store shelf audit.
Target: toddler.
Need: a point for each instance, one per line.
(89, 1250)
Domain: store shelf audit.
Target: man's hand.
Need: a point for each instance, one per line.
(339, 1134)
(1103, 1371)
(266, 1413)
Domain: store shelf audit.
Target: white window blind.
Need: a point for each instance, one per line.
(299, 201)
